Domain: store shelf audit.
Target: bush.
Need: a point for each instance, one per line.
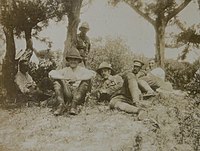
(40, 73)
(181, 74)
(113, 51)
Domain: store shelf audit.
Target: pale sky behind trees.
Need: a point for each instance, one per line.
(120, 21)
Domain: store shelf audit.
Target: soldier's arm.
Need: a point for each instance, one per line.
(115, 85)
(142, 73)
(86, 74)
(89, 46)
(60, 74)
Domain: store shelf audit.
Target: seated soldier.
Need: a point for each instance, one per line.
(26, 85)
(122, 95)
(72, 83)
(156, 71)
(155, 77)
(138, 73)
(109, 84)
(128, 97)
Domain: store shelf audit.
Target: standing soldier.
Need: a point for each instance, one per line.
(83, 41)
(72, 83)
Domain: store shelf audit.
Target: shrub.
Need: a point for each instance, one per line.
(40, 73)
(182, 74)
(113, 51)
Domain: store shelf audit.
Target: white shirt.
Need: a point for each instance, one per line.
(158, 72)
(79, 74)
(24, 81)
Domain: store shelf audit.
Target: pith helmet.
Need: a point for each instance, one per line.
(84, 25)
(73, 53)
(138, 63)
(104, 65)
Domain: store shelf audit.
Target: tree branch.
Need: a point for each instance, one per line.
(179, 24)
(175, 45)
(178, 9)
(145, 16)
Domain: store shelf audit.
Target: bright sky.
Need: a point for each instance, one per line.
(120, 21)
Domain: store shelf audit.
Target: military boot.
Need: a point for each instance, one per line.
(60, 110)
(73, 110)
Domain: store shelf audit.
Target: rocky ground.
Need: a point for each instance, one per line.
(169, 123)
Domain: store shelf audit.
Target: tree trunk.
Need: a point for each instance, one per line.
(73, 21)
(29, 44)
(160, 41)
(9, 63)
(28, 37)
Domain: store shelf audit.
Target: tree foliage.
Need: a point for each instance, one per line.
(158, 13)
(113, 51)
(31, 12)
(188, 38)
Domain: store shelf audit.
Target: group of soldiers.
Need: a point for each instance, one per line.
(73, 83)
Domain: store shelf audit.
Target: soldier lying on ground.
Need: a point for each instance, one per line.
(27, 85)
(137, 73)
(72, 83)
(122, 95)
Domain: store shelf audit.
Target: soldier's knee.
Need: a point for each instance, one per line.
(140, 81)
(120, 106)
(113, 102)
(131, 76)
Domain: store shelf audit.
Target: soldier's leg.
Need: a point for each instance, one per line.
(145, 87)
(133, 87)
(67, 91)
(152, 82)
(60, 91)
(79, 96)
(85, 62)
(119, 102)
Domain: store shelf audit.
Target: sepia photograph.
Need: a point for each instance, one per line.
(99, 75)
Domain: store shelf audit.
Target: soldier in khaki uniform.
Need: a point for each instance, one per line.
(83, 41)
(117, 90)
(128, 97)
(155, 77)
(72, 83)
(110, 83)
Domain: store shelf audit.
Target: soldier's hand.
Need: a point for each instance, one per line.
(103, 91)
(73, 80)
(32, 88)
(95, 93)
(26, 91)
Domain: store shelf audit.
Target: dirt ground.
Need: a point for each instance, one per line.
(162, 127)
